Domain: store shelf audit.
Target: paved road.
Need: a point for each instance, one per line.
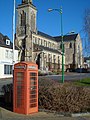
(7, 115)
(70, 76)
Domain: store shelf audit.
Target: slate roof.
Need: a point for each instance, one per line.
(58, 38)
(66, 37)
(46, 36)
(3, 41)
(48, 49)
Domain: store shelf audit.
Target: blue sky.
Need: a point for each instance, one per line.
(73, 13)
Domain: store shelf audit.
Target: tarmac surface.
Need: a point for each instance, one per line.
(8, 115)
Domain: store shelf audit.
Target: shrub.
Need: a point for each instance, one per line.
(63, 97)
(7, 90)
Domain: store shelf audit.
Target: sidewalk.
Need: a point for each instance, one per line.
(8, 115)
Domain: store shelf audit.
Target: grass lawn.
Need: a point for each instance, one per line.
(83, 82)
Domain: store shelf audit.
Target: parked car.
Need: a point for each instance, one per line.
(88, 70)
(70, 70)
(81, 70)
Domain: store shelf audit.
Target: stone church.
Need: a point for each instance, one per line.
(42, 48)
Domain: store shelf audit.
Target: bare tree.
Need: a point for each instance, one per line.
(87, 31)
(87, 23)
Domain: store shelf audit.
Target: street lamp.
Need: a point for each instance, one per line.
(13, 33)
(60, 12)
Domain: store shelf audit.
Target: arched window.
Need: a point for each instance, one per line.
(70, 46)
(33, 22)
(23, 18)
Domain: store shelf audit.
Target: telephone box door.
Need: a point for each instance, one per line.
(33, 91)
(19, 89)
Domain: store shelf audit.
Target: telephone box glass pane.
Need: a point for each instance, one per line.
(20, 89)
(33, 74)
(33, 89)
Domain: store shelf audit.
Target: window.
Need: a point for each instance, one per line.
(33, 39)
(70, 45)
(33, 22)
(58, 60)
(44, 43)
(23, 18)
(54, 58)
(41, 42)
(49, 45)
(7, 42)
(53, 46)
(8, 69)
(49, 59)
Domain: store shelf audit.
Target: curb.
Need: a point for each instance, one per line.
(80, 114)
(66, 114)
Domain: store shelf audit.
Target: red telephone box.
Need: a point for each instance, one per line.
(25, 95)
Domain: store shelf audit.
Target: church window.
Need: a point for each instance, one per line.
(35, 40)
(54, 59)
(23, 18)
(49, 45)
(44, 42)
(53, 46)
(32, 22)
(70, 45)
(41, 42)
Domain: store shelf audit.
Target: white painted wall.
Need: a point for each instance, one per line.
(6, 59)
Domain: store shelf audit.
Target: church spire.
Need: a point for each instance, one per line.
(27, 1)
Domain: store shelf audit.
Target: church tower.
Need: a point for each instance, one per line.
(26, 25)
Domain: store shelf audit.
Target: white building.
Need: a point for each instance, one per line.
(87, 62)
(6, 56)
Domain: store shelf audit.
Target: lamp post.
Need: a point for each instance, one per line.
(13, 33)
(60, 12)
